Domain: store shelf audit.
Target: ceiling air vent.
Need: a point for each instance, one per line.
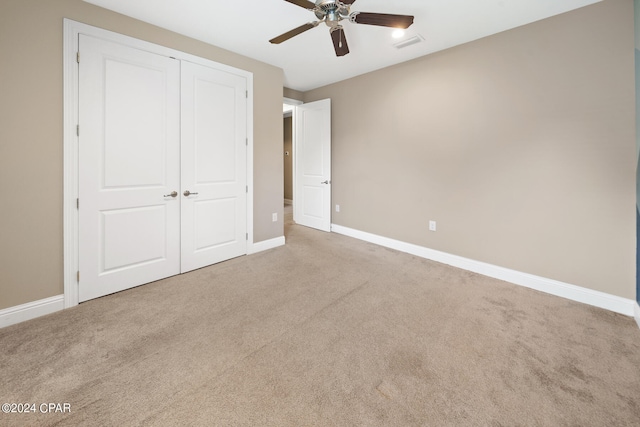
(409, 42)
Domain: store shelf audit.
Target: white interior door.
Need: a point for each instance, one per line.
(312, 198)
(214, 158)
(129, 149)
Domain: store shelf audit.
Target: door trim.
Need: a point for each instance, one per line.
(71, 31)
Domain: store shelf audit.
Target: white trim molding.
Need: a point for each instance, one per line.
(636, 310)
(31, 310)
(291, 101)
(265, 245)
(565, 290)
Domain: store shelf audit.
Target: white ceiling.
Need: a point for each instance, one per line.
(308, 60)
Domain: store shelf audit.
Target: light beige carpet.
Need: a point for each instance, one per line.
(326, 331)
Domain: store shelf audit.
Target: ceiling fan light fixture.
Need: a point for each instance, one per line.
(397, 33)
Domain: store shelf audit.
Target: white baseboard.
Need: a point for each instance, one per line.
(30, 310)
(265, 245)
(565, 290)
(636, 310)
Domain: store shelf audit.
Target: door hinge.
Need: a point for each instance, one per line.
(247, 188)
(246, 94)
(78, 130)
(246, 142)
(247, 236)
(77, 203)
(78, 276)
(78, 57)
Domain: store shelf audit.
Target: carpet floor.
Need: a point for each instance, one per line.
(325, 331)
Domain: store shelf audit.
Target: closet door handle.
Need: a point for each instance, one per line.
(188, 193)
(173, 194)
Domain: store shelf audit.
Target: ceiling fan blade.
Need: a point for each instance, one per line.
(339, 41)
(303, 3)
(382, 19)
(348, 1)
(289, 34)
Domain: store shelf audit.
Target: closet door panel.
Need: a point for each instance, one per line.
(214, 151)
(129, 148)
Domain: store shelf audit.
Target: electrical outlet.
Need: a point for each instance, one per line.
(432, 226)
(337, 208)
(274, 217)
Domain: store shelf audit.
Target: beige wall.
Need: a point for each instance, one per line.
(31, 245)
(521, 146)
(293, 94)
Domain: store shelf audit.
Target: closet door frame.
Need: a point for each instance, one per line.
(71, 31)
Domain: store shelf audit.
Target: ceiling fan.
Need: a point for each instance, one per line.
(331, 12)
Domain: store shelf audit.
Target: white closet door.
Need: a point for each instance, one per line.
(214, 158)
(129, 148)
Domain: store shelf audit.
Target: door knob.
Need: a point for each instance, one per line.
(173, 194)
(325, 182)
(188, 193)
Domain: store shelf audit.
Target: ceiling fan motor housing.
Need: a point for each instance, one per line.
(331, 11)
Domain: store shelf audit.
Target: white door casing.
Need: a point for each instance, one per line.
(214, 151)
(312, 198)
(129, 146)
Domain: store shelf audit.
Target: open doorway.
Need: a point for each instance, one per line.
(288, 166)
(288, 108)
